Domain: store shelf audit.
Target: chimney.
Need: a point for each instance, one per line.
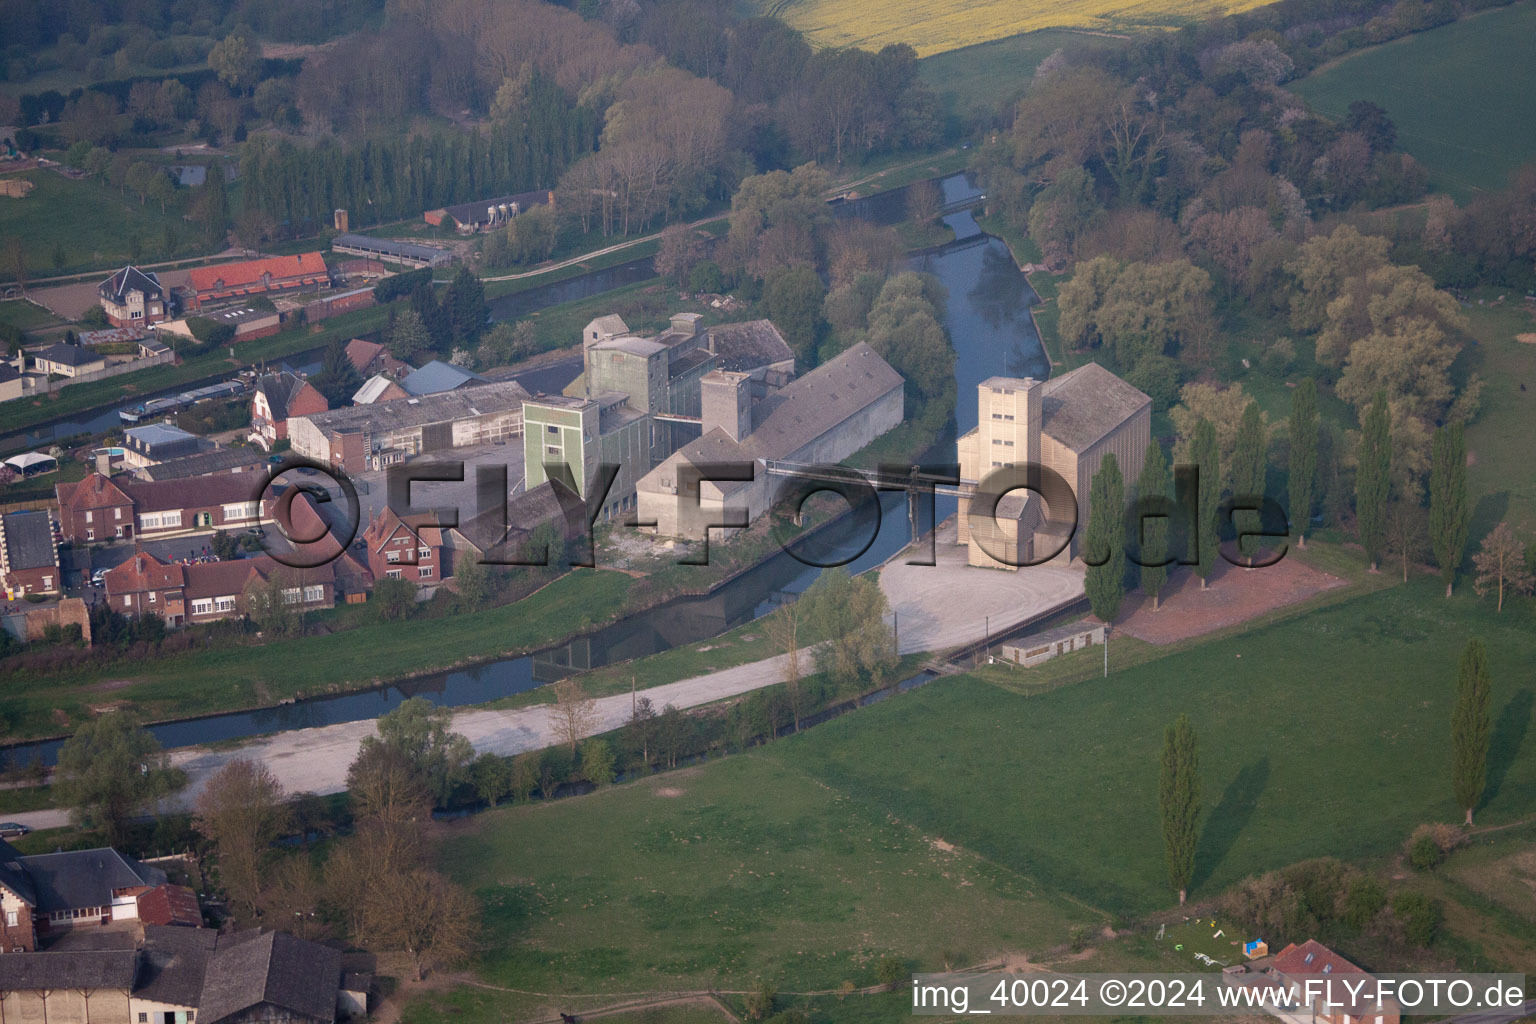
(104, 462)
(726, 402)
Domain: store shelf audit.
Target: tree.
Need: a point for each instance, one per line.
(394, 599)
(1105, 540)
(681, 250)
(1303, 468)
(1373, 479)
(1224, 407)
(1470, 728)
(465, 305)
(597, 762)
(1207, 526)
(792, 299)
(424, 915)
(849, 614)
(1448, 518)
(338, 379)
(507, 343)
(241, 810)
(418, 731)
(473, 583)
(782, 627)
(109, 771)
(1178, 797)
(492, 777)
(1405, 532)
(235, 62)
(408, 335)
(575, 714)
(268, 606)
(924, 202)
(525, 775)
(1153, 484)
(1250, 462)
(1500, 565)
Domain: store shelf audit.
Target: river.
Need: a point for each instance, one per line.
(989, 322)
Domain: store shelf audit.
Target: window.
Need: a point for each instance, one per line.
(151, 597)
(1309, 958)
(127, 601)
(117, 513)
(292, 595)
(550, 449)
(1328, 968)
(143, 1018)
(392, 556)
(393, 574)
(424, 572)
(241, 510)
(138, 314)
(552, 429)
(224, 604)
(90, 534)
(47, 582)
(423, 552)
(202, 606)
(88, 516)
(10, 919)
(312, 594)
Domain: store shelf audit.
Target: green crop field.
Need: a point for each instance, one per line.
(978, 80)
(1463, 96)
(935, 26)
(1498, 445)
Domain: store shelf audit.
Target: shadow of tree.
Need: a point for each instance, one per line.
(1508, 736)
(1230, 816)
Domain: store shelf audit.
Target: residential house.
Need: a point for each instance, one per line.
(158, 442)
(144, 585)
(1295, 964)
(410, 548)
(49, 891)
(12, 383)
(372, 358)
(133, 298)
(257, 277)
(185, 593)
(378, 388)
(65, 360)
(29, 553)
(277, 397)
(99, 508)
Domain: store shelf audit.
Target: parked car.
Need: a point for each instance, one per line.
(11, 829)
(99, 578)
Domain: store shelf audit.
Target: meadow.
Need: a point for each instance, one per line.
(1499, 470)
(979, 81)
(1463, 96)
(964, 821)
(937, 26)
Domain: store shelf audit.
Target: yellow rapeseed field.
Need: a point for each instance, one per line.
(935, 26)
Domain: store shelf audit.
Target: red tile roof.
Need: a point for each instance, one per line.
(143, 572)
(364, 354)
(94, 491)
(217, 579)
(249, 274)
(170, 904)
(1293, 959)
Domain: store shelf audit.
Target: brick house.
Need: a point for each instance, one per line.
(370, 358)
(256, 277)
(277, 397)
(99, 508)
(410, 548)
(1294, 964)
(133, 298)
(29, 553)
(144, 585)
(69, 889)
(208, 591)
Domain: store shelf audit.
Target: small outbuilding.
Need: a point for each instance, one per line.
(1042, 647)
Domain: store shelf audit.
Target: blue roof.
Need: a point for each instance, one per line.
(437, 377)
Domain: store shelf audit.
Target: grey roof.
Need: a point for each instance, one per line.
(747, 346)
(474, 212)
(809, 406)
(112, 335)
(437, 377)
(29, 540)
(279, 388)
(1081, 406)
(13, 876)
(632, 344)
(85, 878)
(117, 287)
(93, 970)
(69, 355)
(173, 964)
(219, 460)
(8, 373)
(190, 175)
(159, 434)
(390, 246)
(275, 968)
(401, 413)
(610, 323)
(1051, 636)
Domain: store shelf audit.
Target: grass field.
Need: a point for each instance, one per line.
(1324, 734)
(977, 81)
(936, 26)
(1500, 475)
(720, 875)
(1463, 96)
(92, 223)
(26, 315)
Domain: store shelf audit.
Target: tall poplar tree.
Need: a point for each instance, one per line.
(1250, 460)
(1207, 523)
(1303, 475)
(1470, 728)
(1448, 501)
(1154, 482)
(1178, 798)
(1373, 479)
(1106, 540)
